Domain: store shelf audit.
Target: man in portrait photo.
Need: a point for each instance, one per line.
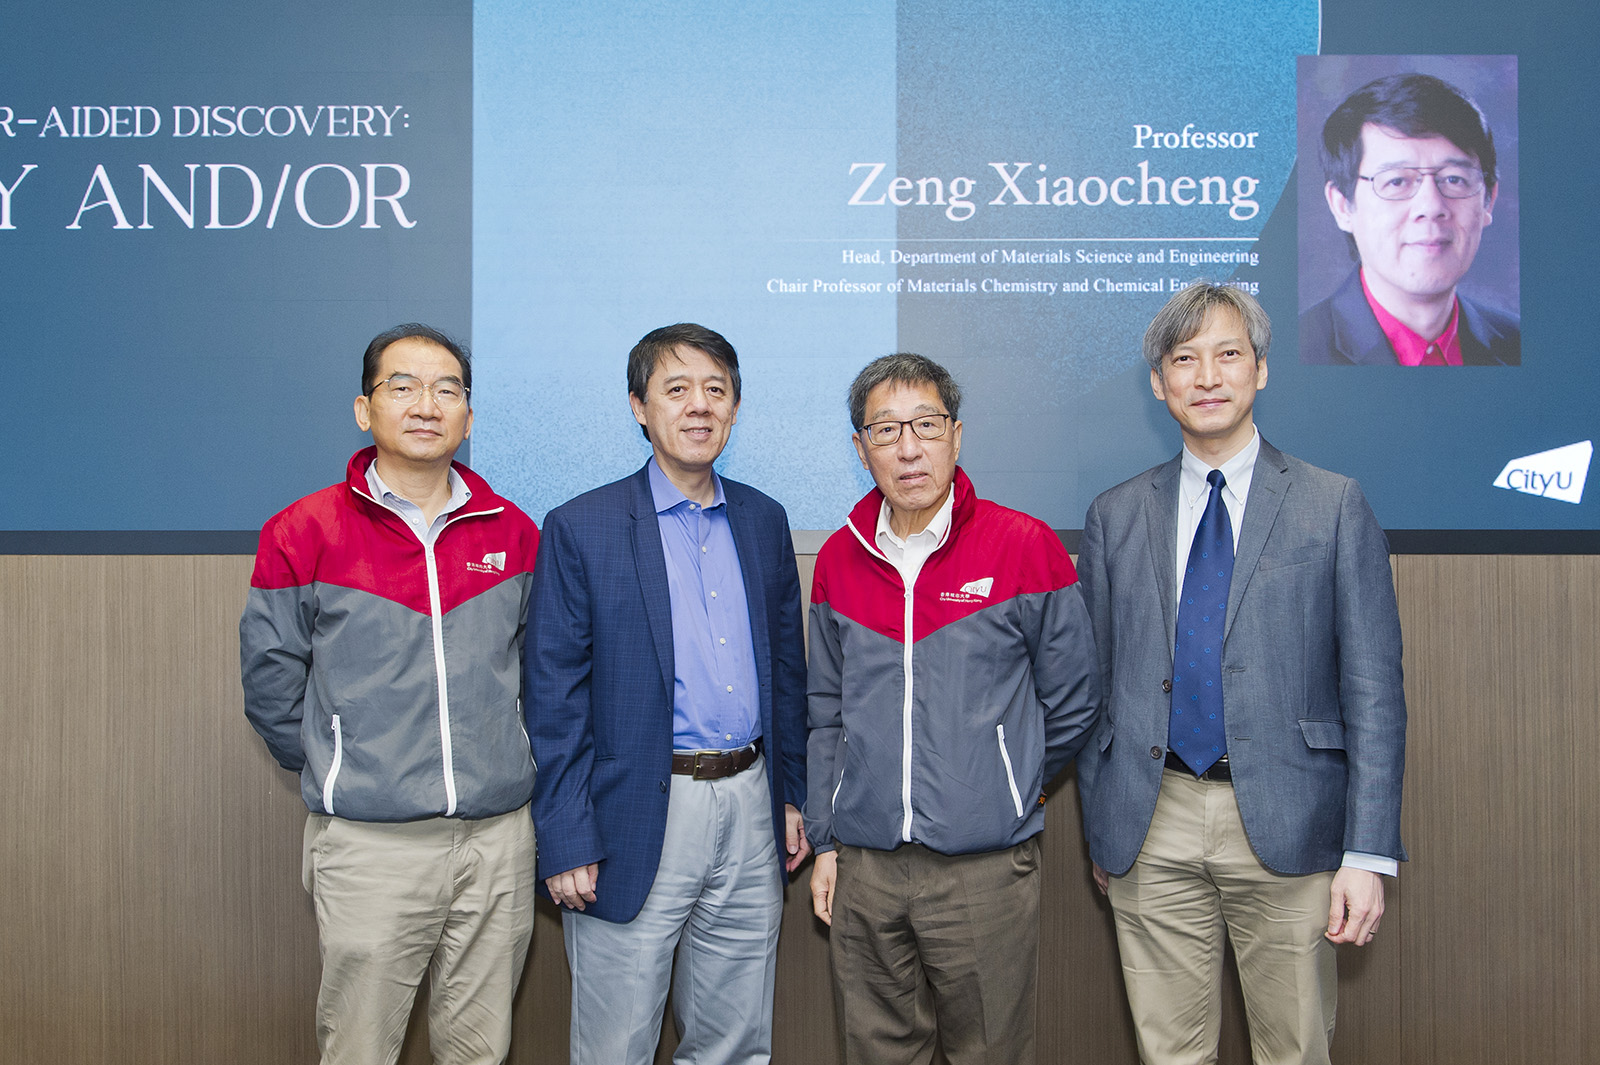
(1412, 178)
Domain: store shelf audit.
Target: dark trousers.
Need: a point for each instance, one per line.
(928, 946)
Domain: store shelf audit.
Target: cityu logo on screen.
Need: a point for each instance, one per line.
(1555, 474)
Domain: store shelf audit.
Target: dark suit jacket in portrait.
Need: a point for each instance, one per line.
(1312, 695)
(600, 668)
(1342, 330)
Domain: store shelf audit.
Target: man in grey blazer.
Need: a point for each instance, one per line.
(1263, 816)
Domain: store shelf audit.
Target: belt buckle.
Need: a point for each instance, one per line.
(697, 756)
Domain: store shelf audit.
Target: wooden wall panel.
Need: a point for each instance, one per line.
(154, 912)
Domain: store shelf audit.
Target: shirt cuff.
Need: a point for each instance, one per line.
(1372, 863)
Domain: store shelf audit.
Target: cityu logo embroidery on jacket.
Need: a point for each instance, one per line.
(978, 589)
(493, 562)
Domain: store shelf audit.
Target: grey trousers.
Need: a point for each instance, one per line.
(714, 909)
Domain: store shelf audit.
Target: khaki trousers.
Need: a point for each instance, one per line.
(1195, 886)
(448, 897)
(928, 946)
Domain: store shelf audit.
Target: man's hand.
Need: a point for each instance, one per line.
(575, 887)
(1356, 907)
(794, 837)
(823, 874)
(1102, 879)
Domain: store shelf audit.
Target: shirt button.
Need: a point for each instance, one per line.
(722, 639)
(713, 595)
(727, 735)
(703, 550)
(730, 687)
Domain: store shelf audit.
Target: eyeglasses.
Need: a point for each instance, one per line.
(1402, 182)
(926, 426)
(403, 390)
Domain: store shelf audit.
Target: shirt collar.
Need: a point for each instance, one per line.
(665, 495)
(936, 528)
(459, 492)
(1236, 472)
(1412, 348)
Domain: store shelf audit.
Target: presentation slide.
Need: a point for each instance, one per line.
(206, 212)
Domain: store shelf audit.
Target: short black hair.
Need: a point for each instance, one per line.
(659, 343)
(1417, 105)
(903, 367)
(374, 353)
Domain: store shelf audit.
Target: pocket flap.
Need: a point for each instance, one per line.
(1103, 740)
(1323, 735)
(1293, 557)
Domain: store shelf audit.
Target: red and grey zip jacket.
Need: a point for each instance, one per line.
(939, 711)
(387, 673)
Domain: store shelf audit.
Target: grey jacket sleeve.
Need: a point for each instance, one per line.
(824, 753)
(275, 666)
(1066, 675)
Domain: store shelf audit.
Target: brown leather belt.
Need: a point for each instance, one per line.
(1219, 770)
(713, 765)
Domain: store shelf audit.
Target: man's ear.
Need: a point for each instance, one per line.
(1341, 207)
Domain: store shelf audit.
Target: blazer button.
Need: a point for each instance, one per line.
(1155, 752)
(1166, 686)
(663, 785)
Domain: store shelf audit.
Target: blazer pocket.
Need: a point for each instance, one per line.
(1307, 553)
(1323, 735)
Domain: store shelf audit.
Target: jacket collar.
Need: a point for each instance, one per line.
(484, 499)
(863, 518)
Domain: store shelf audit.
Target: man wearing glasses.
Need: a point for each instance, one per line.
(666, 701)
(381, 648)
(1410, 165)
(952, 674)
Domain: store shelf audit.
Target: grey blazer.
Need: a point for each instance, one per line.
(1311, 681)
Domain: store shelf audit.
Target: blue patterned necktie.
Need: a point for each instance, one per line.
(1195, 731)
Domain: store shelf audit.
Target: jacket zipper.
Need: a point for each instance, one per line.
(905, 723)
(436, 616)
(833, 800)
(1011, 778)
(333, 770)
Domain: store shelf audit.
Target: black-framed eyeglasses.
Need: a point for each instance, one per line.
(926, 426)
(1402, 182)
(403, 390)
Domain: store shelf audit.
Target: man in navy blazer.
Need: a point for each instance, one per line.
(667, 713)
(1270, 824)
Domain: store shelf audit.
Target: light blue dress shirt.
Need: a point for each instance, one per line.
(715, 689)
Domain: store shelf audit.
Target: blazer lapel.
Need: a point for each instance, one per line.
(1268, 482)
(1161, 527)
(650, 562)
(746, 536)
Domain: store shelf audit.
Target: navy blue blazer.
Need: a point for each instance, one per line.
(1342, 330)
(599, 673)
(1312, 693)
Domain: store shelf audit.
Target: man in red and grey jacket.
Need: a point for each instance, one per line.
(952, 674)
(381, 652)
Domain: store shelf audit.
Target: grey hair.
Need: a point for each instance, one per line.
(902, 368)
(1181, 320)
